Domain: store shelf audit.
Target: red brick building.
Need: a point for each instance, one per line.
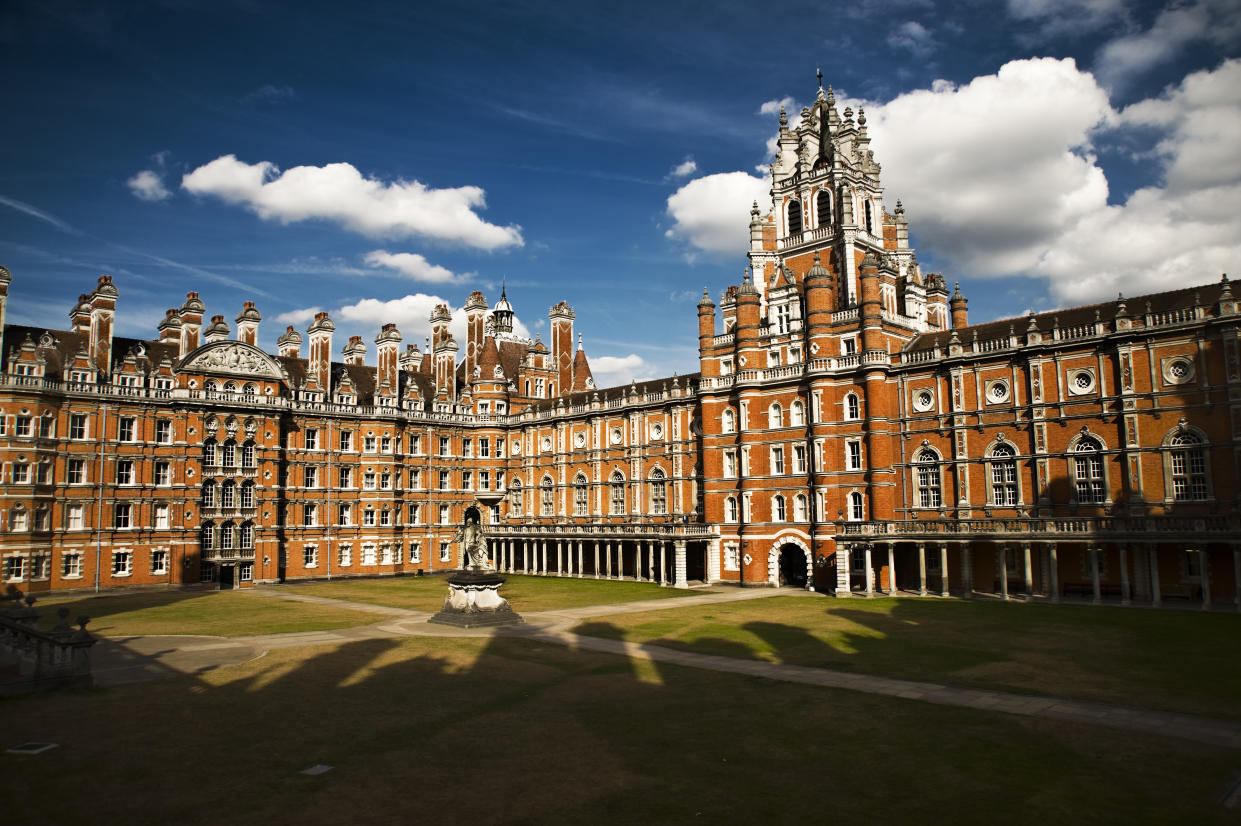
(848, 431)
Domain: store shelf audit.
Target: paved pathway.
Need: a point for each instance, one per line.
(132, 659)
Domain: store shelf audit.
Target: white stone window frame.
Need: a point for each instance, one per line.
(1168, 448)
(997, 391)
(1177, 370)
(922, 399)
(1071, 456)
(990, 459)
(918, 462)
(1080, 381)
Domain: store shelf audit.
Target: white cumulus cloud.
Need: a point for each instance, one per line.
(685, 168)
(148, 185)
(610, 371)
(411, 265)
(339, 193)
(913, 37)
(712, 213)
(1176, 28)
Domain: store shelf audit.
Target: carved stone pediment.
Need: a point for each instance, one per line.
(231, 358)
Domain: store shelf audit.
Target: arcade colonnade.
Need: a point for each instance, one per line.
(672, 561)
(1141, 573)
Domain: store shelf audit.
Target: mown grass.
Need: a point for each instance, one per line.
(212, 613)
(524, 593)
(511, 731)
(1179, 661)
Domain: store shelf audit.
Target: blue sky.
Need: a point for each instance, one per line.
(376, 158)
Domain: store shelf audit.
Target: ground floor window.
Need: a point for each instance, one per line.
(346, 555)
(247, 572)
(15, 567)
(159, 562)
(415, 552)
(310, 556)
(732, 557)
(206, 572)
(122, 563)
(445, 552)
(71, 565)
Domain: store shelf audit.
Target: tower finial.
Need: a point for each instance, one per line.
(819, 72)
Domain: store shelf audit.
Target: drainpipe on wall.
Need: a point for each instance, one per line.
(103, 434)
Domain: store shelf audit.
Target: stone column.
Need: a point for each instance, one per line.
(1153, 555)
(559, 551)
(1094, 576)
(1004, 571)
(1025, 550)
(663, 579)
(1054, 564)
(525, 556)
(891, 569)
(843, 577)
(637, 560)
(650, 561)
(596, 573)
(921, 569)
(1124, 574)
(967, 570)
(681, 582)
(1204, 563)
(607, 560)
(943, 570)
(870, 574)
(579, 558)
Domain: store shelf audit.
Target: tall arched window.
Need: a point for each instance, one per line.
(823, 206)
(857, 508)
(1088, 471)
(208, 497)
(728, 422)
(209, 455)
(794, 217)
(853, 407)
(247, 494)
(228, 495)
(1187, 467)
(775, 415)
(206, 537)
(801, 508)
(579, 496)
(928, 479)
(870, 221)
(616, 493)
(230, 454)
(797, 413)
(547, 497)
(246, 536)
(779, 512)
(1003, 475)
(730, 509)
(247, 454)
(226, 536)
(659, 492)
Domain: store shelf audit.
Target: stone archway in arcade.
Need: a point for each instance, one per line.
(790, 564)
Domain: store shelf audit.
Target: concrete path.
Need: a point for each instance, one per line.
(133, 659)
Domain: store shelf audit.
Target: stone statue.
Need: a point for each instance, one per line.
(473, 541)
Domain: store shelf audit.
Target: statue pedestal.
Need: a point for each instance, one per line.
(474, 601)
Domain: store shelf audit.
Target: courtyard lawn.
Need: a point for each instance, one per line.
(524, 593)
(1172, 660)
(211, 613)
(511, 731)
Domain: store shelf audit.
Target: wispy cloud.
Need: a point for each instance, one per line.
(148, 185)
(35, 212)
(914, 38)
(555, 124)
(413, 266)
(269, 93)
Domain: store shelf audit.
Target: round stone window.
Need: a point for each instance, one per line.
(617, 435)
(580, 440)
(547, 443)
(924, 400)
(1081, 381)
(1178, 370)
(657, 431)
(997, 391)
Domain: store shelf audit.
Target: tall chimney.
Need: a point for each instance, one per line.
(321, 330)
(248, 324)
(191, 323)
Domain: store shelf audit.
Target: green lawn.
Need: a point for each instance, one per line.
(212, 613)
(524, 593)
(511, 731)
(1180, 661)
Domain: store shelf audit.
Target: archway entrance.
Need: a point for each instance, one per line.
(791, 567)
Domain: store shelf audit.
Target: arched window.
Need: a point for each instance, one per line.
(209, 386)
(730, 509)
(926, 468)
(779, 512)
(249, 389)
(247, 494)
(246, 536)
(1187, 467)
(853, 407)
(823, 205)
(1003, 475)
(1088, 471)
(228, 495)
(579, 496)
(728, 422)
(794, 217)
(209, 453)
(230, 454)
(775, 416)
(797, 413)
(870, 224)
(659, 492)
(514, 496)
(800, 508)
(247, 454)
(206, 537)
(617, 493)
(226, 536)
(857, 508)
(208, 497)
(547, 497)
(18, 519)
